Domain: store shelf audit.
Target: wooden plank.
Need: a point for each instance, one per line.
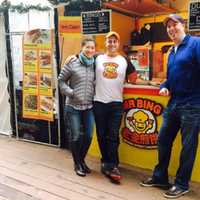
(56, 183)
(46, 173)
(8, 193)
(3, 198)
(66, 177)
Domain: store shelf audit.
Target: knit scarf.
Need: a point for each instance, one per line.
(85, 60)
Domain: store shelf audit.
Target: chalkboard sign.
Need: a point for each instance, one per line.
(96, 22)
(194, 16)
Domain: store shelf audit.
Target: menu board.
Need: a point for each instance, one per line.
(96, 22)
(37, 75)
(194, 15)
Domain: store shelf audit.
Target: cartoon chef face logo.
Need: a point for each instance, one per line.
(140, 128)
(140, 121)
(110, 70)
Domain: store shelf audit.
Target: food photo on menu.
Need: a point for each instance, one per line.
(45, 58)
(46, 103)
(37, 36)
(45, 80)
(30, 55)
(30, 102)
(30, 79)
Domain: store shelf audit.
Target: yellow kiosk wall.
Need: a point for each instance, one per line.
(147, 158)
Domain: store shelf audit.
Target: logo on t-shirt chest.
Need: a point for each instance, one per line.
(110, 70)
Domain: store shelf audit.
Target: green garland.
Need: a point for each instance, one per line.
(21, 8)
(56, 2)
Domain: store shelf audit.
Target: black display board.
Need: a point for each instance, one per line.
(96, 22)
(194, 16)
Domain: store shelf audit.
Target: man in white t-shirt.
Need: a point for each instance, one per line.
(112, 70)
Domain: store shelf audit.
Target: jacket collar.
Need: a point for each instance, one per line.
(184, 42)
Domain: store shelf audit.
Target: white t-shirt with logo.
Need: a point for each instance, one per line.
(110, 76)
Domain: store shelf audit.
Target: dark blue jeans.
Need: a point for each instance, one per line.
(81, 124)
(108, 119)
(185, 118)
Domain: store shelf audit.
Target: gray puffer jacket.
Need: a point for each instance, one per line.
(76, 81)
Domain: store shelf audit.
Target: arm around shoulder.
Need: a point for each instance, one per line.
(131, 73)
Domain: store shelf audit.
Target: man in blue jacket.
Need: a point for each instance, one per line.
(183, 110)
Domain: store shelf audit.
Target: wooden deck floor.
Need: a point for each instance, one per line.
(36, 172)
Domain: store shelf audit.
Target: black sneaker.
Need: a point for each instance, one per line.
(115, 174)
(86, 168)
(150, 182)
(79, 170)
(175, 192)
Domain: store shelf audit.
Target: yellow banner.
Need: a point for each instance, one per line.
(37, 74)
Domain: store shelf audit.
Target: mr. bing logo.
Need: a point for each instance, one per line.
(140, 122)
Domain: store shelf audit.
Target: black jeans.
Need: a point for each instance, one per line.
(185, 118)
(108, 119)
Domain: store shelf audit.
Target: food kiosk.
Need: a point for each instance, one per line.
(144, 40)
(142, 102)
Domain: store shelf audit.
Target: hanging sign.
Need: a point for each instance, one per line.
(69, 26)
(69, 29)
(37, 75)
(96, 22)
(194, 15)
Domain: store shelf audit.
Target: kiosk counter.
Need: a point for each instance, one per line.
(143, 108)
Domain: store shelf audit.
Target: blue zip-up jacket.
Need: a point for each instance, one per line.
(183, 72)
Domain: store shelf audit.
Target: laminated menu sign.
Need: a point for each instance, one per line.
(37, 75)
(194, 15)
(96, 22)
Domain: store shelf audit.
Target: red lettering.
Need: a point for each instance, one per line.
(140, 139)
(157, 109)
(145, 103)
(131, 103)
(150, 105)
(125, 104)
(153, 138)
(139, 103)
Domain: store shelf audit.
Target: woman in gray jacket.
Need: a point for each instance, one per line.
(76, 81)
